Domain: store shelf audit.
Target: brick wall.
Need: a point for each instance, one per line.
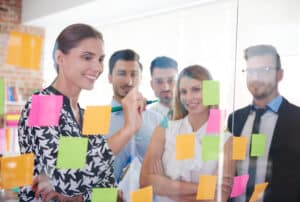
(25, 80)
(10, 11)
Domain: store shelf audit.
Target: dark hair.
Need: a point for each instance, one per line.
(197, 72)
(163, 62)
(71, 36)
(127, 55)
(259, 50)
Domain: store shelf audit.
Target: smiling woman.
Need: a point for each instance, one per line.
(78, 55)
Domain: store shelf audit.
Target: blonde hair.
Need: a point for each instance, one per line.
(197, 72)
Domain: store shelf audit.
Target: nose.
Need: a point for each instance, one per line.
(165, 86)
(129, 80)
(98, 68)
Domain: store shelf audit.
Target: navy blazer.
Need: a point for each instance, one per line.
(283, 172)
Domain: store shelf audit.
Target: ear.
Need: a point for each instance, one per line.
(151, 83)
(59, 55)
(279, 75)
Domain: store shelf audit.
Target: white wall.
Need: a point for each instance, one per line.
(203, 34)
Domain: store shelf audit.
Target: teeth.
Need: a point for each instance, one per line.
(91, 77)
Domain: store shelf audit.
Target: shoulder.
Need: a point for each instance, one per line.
(239, 112)
(152, 116)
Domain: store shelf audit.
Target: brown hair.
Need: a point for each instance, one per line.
(71, 36)
(197, 72)
(260, 50)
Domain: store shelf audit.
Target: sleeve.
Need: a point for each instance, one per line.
(43, 142)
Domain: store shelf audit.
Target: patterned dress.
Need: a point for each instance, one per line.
(43, 142)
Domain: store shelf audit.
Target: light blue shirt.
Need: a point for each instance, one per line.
(137, 145)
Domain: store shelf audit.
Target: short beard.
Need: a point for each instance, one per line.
(165, 101)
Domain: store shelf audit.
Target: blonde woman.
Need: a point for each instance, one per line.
(177, 180)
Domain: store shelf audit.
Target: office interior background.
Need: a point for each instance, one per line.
(212, 33)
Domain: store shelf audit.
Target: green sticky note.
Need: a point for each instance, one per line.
(258, 143)
(104, 195)
(2, 96)
(210, 147)
(72, 152)
(211, 92)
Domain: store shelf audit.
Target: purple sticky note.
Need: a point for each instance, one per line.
(2, 140)
(239, 185)
(215, 121)
(45, 110)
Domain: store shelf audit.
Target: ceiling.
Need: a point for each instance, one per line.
(96, 12)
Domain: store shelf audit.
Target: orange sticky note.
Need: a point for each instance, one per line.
(206, 187)
(144, 194)
(24, 50)
(185, 146)
(17, 171)
(258, 190)
(96, 120)
(239, 148)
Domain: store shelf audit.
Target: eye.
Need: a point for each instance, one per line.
(182, 91)
(101, 59)
(196, 89)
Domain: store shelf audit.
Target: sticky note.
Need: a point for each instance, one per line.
(72, 152)
(2, 141)
(2, 96)
(239, 185)
(24, 50)
(210, 147)
(206, 187)
(96, 120)
(239, 148)
(185, 146)
(104, 194)
(45, 110)
(144, 194)
(17, 171)
(258, 143)
(258, 190)
(210, 92)
(215, 121)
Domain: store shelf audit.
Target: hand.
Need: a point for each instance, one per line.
(120, 197)
(41, 185)
(61, 198)
(133, 105)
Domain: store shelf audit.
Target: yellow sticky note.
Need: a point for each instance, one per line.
(24, 50)
(185, 144)
(239, 148)
(258, 190)
(144, 194)
(206, 187)
(96, 120)
(17, 171)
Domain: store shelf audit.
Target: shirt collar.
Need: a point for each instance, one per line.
(274, 104)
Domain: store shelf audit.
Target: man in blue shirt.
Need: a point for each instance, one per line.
(125, 71)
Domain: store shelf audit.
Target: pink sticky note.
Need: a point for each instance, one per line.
(45, 110)
(2, 140)
(239, 185)
(215, 121)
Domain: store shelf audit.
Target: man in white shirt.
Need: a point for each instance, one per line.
(163, 78)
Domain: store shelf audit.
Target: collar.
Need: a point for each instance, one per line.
(273, 105)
